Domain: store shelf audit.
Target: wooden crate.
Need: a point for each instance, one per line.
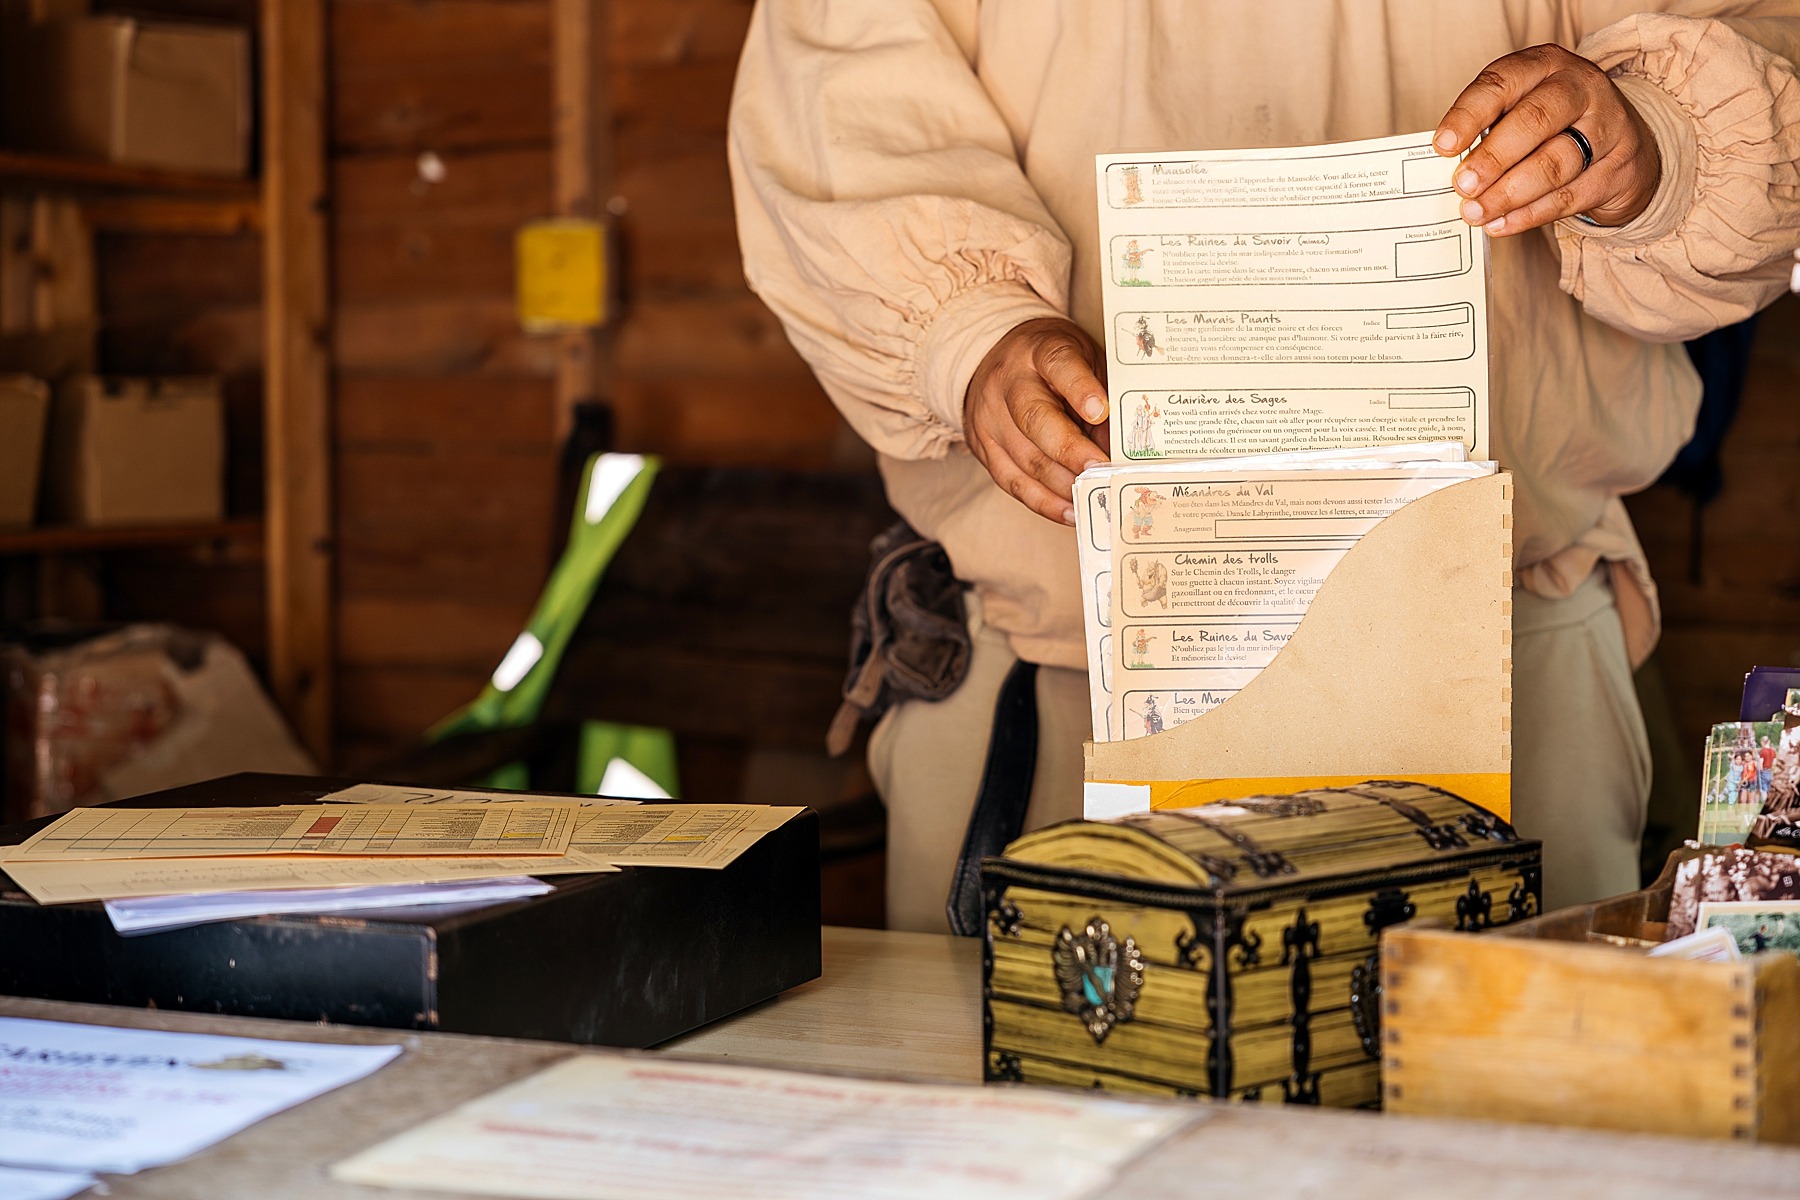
(1539, 1023)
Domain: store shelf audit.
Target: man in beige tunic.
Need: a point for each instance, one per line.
(914, 183)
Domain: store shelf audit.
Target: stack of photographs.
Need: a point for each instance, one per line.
(1750, 785)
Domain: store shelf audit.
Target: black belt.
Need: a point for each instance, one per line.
(1006, 779)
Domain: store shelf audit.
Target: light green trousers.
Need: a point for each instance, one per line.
(1581, 759)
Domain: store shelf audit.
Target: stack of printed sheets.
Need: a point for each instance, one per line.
(1296, 346)
(368, 846)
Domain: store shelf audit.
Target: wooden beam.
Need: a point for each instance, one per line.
(583, 170)
(298, 371)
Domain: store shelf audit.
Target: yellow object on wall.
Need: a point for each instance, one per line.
(561, 274)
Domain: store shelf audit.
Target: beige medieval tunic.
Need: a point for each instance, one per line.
(915, 177)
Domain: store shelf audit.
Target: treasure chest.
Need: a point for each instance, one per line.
(1230, 949)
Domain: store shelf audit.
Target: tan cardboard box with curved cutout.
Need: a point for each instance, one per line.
(1404, 660)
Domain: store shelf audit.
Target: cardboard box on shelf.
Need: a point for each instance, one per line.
(24, 408)
(136, 451)
(155, 94)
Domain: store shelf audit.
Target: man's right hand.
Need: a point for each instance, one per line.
(1035, 413)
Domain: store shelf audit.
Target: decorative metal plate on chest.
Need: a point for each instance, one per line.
(1100, 978)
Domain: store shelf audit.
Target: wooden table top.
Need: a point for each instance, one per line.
(908, 1006)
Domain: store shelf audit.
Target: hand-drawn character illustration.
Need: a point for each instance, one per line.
(1146, 339)
(1140, 649)
(1134, 186)
(1140, 437)
(1133, 259)
(1153, 583)
(1143, 512)
(1152, 718)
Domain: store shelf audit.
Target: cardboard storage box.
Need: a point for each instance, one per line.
(148, 94)
(24, 407)
(137, 451)
(1540, 1023)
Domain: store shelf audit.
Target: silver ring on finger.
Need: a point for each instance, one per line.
(1581, 143)
(1587, 160)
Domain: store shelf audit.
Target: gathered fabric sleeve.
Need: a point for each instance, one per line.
(1716, 243)
(882, 210)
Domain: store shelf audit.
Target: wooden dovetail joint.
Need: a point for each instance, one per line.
(1506, 520)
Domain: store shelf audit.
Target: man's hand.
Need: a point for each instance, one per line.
(1527, 174)
(1020, 414)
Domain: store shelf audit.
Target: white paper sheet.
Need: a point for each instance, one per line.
(94, 1098)
(1290, 299)
(75, 882)
(20, 1183)
(1214, 570)
(615, 1128)
(158, 914)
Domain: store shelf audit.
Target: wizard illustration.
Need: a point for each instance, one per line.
(1140, 436)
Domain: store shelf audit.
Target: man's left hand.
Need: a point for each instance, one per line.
(1526, 173)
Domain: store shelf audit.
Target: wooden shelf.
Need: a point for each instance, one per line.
(61, 171)
(69, 539)
(110, 213)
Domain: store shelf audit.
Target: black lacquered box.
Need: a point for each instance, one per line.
(626, 959)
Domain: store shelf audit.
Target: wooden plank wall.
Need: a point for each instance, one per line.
(445, 414)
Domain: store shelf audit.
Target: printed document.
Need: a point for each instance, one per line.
(1094, 536)
(1291, 299)
(615, 1128)
(94, 1098)
(377, 830)
(624, 833)
(1215, 569)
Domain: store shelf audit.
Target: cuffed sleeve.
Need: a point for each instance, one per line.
(1714, 244)
(882, 210)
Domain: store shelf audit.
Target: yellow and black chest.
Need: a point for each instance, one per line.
(1230, 949)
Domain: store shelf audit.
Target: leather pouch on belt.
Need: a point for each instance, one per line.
(909, 635)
